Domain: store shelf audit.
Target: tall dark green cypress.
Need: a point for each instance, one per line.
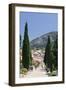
(51, 55)
(20, 41)
(47, 53)
(52, 58)
(26, 49)
(55, 52)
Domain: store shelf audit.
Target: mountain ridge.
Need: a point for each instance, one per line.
(41, 41)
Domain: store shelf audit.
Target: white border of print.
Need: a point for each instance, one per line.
(19, 80)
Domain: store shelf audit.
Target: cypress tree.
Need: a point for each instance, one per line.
(47, 53)
(26, 49)
(51, 55)
(52, 58)
(20, 41)
(55, 52)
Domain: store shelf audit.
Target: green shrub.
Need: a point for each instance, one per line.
(54, 73)
(23, 71)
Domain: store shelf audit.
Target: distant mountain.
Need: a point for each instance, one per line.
(40, 42)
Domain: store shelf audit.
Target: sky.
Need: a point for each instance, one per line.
(38, 23)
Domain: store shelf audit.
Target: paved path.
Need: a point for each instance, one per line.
(38, 72)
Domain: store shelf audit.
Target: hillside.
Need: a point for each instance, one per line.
(40, 42)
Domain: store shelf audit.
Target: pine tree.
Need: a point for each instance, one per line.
(26, 49)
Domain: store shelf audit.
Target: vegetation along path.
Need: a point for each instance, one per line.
(38, 72)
